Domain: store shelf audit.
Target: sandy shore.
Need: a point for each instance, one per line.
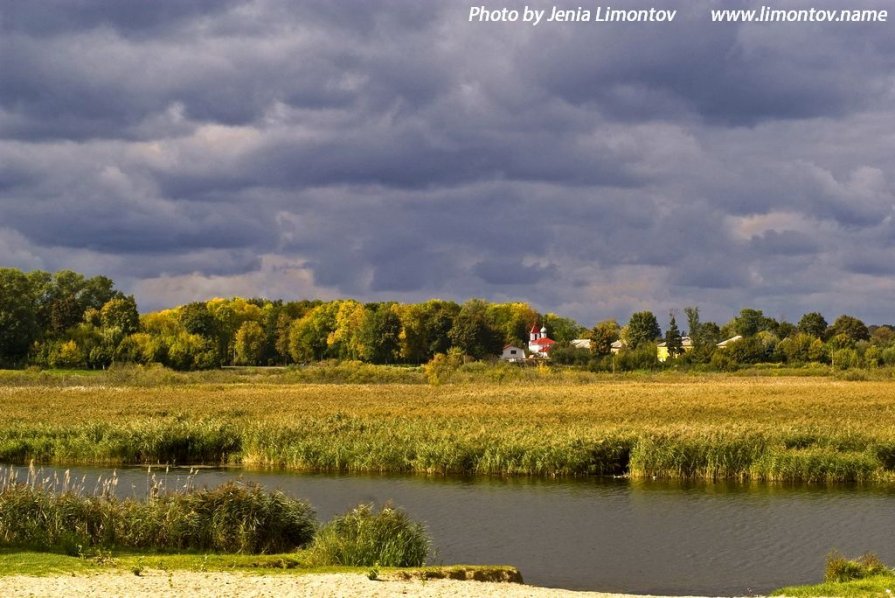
(187, 583)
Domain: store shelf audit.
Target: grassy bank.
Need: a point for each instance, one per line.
(24, 562)
(864, 576)
(712, 427)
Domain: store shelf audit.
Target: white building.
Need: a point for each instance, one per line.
(723, 344)
(539, 344)
(513, 354)
(582, 343)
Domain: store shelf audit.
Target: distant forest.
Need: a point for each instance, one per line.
(67, 320)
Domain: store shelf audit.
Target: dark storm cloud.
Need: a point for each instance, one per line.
(393, 150)
(54, 17)
(504, 271)
(724, 74)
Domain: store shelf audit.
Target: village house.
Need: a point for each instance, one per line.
(582, 343)
(512, 354)
(662, 348)
(723, 344)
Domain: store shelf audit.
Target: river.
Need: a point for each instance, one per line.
(612, 535)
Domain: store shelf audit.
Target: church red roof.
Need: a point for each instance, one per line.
(543, 341)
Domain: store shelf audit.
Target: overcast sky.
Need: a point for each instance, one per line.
(390, 150)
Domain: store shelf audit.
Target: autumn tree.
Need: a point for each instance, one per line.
(602, 336)
(121, 313)
(249, 344)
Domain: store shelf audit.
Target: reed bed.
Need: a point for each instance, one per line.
(713, 427)
(48, 512)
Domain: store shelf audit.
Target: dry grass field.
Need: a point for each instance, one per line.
(794, 429)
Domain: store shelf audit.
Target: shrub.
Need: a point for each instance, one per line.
(442, 367)
(363, 538)
(839, 569)
(641, 358)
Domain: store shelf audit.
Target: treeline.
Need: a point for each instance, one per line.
(66, 320)
(751, 338)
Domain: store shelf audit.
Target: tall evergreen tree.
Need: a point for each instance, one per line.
(673, 341)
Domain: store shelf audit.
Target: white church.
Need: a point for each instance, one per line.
(539, 345)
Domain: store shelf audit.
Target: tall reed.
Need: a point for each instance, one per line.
(52, 512)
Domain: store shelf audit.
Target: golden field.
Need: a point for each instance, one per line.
(795, 429)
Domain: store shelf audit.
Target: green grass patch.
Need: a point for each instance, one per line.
(24, 562)
(863, 576)
(877, 585)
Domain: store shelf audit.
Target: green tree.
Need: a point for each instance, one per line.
(196, 319)
(64, 297)
(309, 334)
(473, 333)
(693, 325)
(802, 348)
(850, 327)
(882, 336)
(381, 331)
(813, 324)
(643, 329)
(562, 330)
(752, 321)
(439, 319)
(425, 329)
(749, 349)
(673, 340)
(785, 329)
(513, 320)
(18, 317)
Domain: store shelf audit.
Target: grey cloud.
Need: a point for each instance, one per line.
(392, 150)
(509, 271)
(787, 242)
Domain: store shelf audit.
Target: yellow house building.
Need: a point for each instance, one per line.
(662, 348)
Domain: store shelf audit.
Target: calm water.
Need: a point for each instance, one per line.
(609, 535)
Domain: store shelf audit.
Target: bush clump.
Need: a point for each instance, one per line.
(840, 569)
(364, 538)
